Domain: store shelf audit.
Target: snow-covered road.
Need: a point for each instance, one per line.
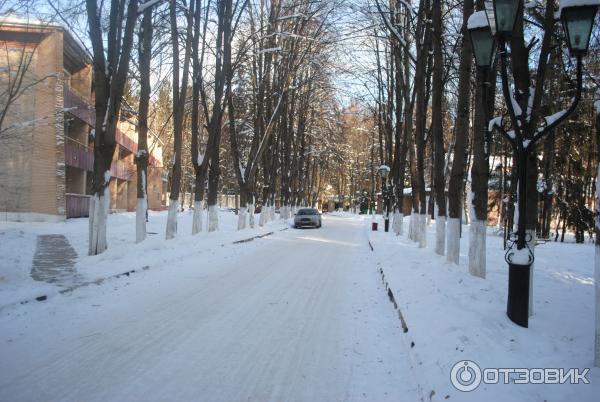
(297, 316)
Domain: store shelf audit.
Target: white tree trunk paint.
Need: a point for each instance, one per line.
(172, 219)
(532, 247)
(197, 218)
(242, 218)
(397, 223)
(140, 220)
(440, 235)
(453, 240)
(422, 230)
(411, 226)
(263, 216)
(104, 209)
(477, 247)
(282, 212)
(597, 286)
(213, 218)
(99, 207)
(140, 214)
(91, 220)
(597, 274)
(252, 222)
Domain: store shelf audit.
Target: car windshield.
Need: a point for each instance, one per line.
(307, 212)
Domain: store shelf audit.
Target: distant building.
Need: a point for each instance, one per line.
(46, 157)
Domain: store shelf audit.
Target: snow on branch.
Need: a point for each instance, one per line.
(147, 4)
(269, 50)
(293, 16)
(551, 119)
(496, 121)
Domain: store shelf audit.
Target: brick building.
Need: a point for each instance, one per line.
(46, 142)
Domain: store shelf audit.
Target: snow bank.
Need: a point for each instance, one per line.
(453, 316)
(18, 242)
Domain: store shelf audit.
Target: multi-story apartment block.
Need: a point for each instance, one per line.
(46, 139)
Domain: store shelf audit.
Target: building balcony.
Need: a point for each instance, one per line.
(78, 155)
(82, 109)
(79, 107)
(81, 156)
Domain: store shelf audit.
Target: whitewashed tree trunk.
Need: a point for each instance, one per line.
(453, 240)
(397, 225)
(91, 220)
(440, 235)
(411, 226)
(197, 218)
(172, 219)
(597, 286)
(99, 207)
(140, 213)
(597, 273)
(213, 218)
(264, 211)
(242, 218)
(422, 230)
(477, 247)
(140, 219)
(252, 222)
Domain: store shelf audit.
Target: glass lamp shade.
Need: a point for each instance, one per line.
(578, 23)
(484, 45)
(505, 15)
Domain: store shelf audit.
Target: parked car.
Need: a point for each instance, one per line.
(307, 217)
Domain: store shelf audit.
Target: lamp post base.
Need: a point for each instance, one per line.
(518, 293)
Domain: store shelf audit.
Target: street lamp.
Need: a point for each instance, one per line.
(502, 16)
(384, 172)
(482, 39)
(577, 17)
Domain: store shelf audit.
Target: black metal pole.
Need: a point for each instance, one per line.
(519, 270)
(386, 203)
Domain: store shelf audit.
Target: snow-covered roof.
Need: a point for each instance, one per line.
(478, 20)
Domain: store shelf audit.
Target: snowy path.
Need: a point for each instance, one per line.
(298, 316)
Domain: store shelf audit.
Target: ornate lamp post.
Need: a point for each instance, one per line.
(384, 172)
(578, 18)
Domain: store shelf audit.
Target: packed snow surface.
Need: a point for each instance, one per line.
(299, 315)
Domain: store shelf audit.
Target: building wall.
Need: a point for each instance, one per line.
(16, 143)
(32, 159)
(34, 178)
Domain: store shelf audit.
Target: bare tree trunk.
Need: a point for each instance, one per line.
(437, 130)
(110, 74)
(597, 247)
(455, 186)
(179, 97)
(145, 52)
